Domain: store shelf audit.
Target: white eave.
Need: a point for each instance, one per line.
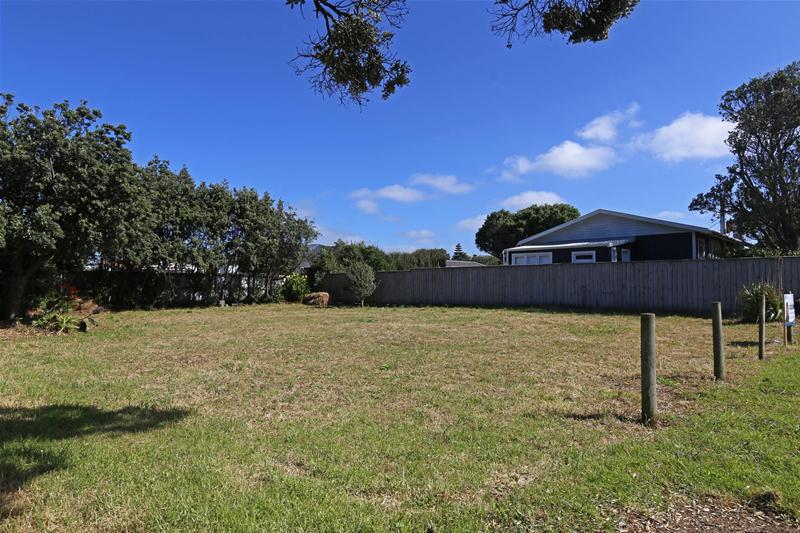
(587, 244)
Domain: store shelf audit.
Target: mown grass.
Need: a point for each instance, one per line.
(290, 418)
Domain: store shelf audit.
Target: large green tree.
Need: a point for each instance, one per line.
(351, 54)
(760, 194)
(71, 197)
(503, 229)
(420, 258)
(63, 179)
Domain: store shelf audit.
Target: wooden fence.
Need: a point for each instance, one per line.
(666, 286)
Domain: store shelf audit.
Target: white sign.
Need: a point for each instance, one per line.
(788, 304)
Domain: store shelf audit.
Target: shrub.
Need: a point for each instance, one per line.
(295, 286)
(360, 281)
(750, 296)
(54, 313)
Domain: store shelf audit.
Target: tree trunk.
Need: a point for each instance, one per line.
(13, 291)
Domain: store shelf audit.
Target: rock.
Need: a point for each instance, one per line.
(320, 299)
(99, 309)
(83, 326)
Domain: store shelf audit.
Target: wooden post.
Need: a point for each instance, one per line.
(649, 410)
(762, 311)
(789, 334)
(719, 355)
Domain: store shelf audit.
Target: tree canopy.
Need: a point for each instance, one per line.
(760, 193)
(71, 197)
(351, 54)
(503, 229)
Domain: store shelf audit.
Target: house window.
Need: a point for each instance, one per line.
(701, 248)
(583, 257)
(626, 255)
(613, 254)
(540, 258)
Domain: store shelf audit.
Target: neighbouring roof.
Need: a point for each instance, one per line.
(625, 216)
(453, 263)
(587, 244)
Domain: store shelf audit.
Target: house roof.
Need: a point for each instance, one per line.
(587, 244)
(666, 223)
(455, 263)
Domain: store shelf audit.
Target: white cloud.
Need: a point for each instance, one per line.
(568, 159)
(398, 193)
(690, 136)
(471, 224)
(330, 235)
(528, 198)
(675, 216)
(401, 248)
(420, 234)
(605, 128)
(366, 199)
(447, 184)
(368, 206)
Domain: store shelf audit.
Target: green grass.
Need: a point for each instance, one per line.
(291, 418)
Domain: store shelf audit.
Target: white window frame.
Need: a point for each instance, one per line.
(586, 252)
(625, 255)
(527, 255)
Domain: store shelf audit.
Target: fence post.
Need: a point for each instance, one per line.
(719, 355)
(761, 326)
(648, 334)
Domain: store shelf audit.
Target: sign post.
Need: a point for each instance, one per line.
(788, 315)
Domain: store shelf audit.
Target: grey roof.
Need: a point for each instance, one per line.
(453, 263)
(677, 225)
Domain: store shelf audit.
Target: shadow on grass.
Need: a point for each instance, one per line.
(743, 344)
(26, 435)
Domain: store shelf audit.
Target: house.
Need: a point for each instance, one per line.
(611, 236)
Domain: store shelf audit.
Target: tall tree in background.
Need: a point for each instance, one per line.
(421, 258)
(63, 174)
(71, 197)
(503, 229)
(459, 254)
(761, 191)
(352, 53)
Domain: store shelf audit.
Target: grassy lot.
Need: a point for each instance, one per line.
(290, 418)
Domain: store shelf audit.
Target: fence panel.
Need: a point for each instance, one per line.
(665, 286)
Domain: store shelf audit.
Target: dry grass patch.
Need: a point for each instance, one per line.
(298, 416)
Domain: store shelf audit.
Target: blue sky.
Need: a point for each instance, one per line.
(629, 124)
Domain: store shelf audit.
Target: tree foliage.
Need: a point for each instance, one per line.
(761, 191)
(459, 254)
(71, 197)
(337, 258)
(360, 280)
(351, 54)
(503, 229)
(421, 258)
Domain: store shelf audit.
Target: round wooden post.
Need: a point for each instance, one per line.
(719, 354)
(649, 410)
(762, 312)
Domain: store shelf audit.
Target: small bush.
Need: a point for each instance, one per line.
(295, 287)
(360, 281)
(751, 302)
(54, 313)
